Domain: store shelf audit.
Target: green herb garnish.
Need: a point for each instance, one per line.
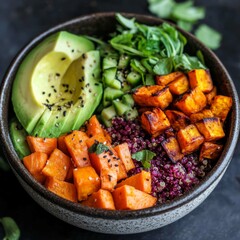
(12, 231)
(98, 148)
(145, 157)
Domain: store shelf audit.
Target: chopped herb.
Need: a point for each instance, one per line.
(98, 148)
(12, 231)
(145, 157)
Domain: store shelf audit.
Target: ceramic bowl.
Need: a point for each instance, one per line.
(119, 222)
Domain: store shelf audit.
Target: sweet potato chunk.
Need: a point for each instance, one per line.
(153, 96)
(166, 79)
(124, 154)
(200, 78)
(76, 144)
(100, 199)
(57, 165)
(210, 96)
(179, 86)
(44, 145)
(177, 119)
(221, 106)
(94, 127)
(205, 113)
(141, 181)
(86, 181)
(155, 122)
(108, 178)
(189, 139)
(35, 163)
(129, 198)
(172, 149)
(210, 150)
(210, 128)
(97, 138)
(192, 102)
(63, 189)
(62, 145)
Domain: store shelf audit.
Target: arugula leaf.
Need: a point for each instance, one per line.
(98, 148)
(145, 157)
(187, 12)
(4, 165)
(163, 67)
(161, 8)
(210, 37)
(12, 231)
(125, 22)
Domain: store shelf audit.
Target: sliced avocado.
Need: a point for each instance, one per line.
(42, 68)
(18, 136)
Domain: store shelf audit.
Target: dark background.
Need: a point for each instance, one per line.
(217, 218)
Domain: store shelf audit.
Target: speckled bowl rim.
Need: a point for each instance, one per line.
(19, 169)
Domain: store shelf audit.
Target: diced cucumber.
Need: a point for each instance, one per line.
(134, 78)
(107, 123)
(109, 78)
(125, 87)
(109, 62)
(106, 103)
(131, 114)
(124, 61)
(111, 94)
(120, 107)
(150, 79)
(108, 113)
(120, 76)
(128, 100)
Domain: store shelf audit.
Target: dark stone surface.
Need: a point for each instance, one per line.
(217, 218)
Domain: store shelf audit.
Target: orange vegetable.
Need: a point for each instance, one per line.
(125, 155)
(77, 147)
(86, 181)
(97, 138)
(129, 198)
(189, 139)
(44, 145)
(141, 181)
(155, 121)
(210, 151)
(172, 149)
(61, 145)
(200, 78)
(210, 128)
(69, 176)
(100, 199)
(108, 178)
(179, 86)
(205, 113)
(107, 136)
(35, 163)
(153, 96)
(210, 96)
(57, 165)
(94, 127)
(166, 79)
(63, 189)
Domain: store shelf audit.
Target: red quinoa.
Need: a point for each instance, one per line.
(169, 179)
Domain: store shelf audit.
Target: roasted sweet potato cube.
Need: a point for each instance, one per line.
(153, 96)
(192, 102)
(210, 128)
(210, 150)
(179, 86)
(177, 119)
(86, 181)
(108, 178)
(166, 79)
(172, 149)
(221, 106)
(200, 78)
(155, 121)
(210, 96)
(189, 139)
(205, 113)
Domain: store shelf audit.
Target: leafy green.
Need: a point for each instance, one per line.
(127, 23)
(187, 26)
(145, 157)
(4, 165)
(164, 66)
(98, 148)
(12, 231)
(210, 37)
(161, 8)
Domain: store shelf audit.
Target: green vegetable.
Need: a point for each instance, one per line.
(12, 231)
(210, 37)
(145, 157)
(4, 165)
(161, 8)
(98, 148)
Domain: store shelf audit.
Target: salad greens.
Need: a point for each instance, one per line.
(98, 148)
(145, 157)
(12, 231)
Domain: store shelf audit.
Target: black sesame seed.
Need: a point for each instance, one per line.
(47, 100)
(84, 159)
(96, 84)
(49, 94)
(72, 50)
(90, 90)
(83, 67)
(62, 59)
(54, 90)
(43, 93)
(66, 90)
(64, 113)
(83, 56)
(70, 91)
(116, 165)
(109, 160)
(52, 86)
(58, 74)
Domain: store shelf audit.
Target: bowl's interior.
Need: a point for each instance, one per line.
(100, 25)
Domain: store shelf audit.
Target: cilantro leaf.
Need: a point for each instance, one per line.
(161, 8)
(125, 22)
(187, 26)
(210, 37)
(12, 231)
(145, 157)
(98, 148)
(163, 67)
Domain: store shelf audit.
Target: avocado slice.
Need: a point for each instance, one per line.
(37, 82)
(81, 93)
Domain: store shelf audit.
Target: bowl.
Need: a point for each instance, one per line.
(119, 222)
